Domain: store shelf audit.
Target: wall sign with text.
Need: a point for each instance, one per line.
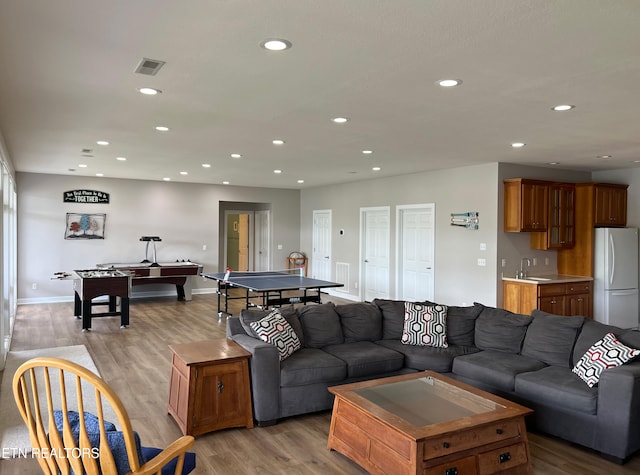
(85, 196)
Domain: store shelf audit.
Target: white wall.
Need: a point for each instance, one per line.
(458, 278)
(185, 216)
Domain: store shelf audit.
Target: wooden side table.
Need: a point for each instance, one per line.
(210, 386)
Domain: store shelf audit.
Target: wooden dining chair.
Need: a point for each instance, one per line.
(64, 404)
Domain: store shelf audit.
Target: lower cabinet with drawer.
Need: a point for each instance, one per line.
(570, 298)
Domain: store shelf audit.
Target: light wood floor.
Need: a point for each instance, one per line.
(136, 362)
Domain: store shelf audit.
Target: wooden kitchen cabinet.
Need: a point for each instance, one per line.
(525, 205)
(209, 387)
(560, 233)
(571, 298)
(597, 204)
(610, 205)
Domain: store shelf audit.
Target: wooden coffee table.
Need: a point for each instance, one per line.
(426, 423)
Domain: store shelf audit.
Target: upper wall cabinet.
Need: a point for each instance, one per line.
(610, 205)
(526, 205)
(561, 227)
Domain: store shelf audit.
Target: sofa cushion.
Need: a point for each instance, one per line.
(249, 316)
(495, 368)
(365, 358)
(550, 338)
(320, 325)
(276, 331)
(557, 387)
(461, 324)
(630, 338)
(591, 332)
(500, 330)
(361, 321)
(392, 318)
(425, 325)
(310, 366)
(606, 353)
(423, 358)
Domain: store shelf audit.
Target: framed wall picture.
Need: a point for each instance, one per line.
(85, 226)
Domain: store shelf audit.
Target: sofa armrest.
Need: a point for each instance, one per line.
(264, 366)
(234, 327)
(619, 410)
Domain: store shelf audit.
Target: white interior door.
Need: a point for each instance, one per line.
(416, 231)
(262, 244)
(321, 255)
(375, 229)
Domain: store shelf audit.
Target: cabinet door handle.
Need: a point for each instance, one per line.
(505, 457)
(220, 387)
(451, 471)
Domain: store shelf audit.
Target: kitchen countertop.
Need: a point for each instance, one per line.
(550, 279)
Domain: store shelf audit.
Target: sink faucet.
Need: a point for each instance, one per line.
(522, 274)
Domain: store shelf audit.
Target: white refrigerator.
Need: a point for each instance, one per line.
(615, 289)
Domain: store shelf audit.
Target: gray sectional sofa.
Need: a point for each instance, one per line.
(528, 359)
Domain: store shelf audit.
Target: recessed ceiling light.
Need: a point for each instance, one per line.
(554, 163)
(121, 159)
(206, 165)
(99, 174)
(604, 157)
(82, 165)
(518, 144)
(449, 82)
(300, 181)
(276, 44)
(376, 169)
(236, 155)
(367, 152)
(277, 142)
(563, 107)
(277, 172)
(102, 142)
(184, 173)
(340, 120)
(166, 178)
(225, 182)
(149, 91)
(162, 128)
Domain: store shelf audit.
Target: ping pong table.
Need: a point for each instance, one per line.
(267, 288)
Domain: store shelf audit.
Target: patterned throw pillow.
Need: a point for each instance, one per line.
(425, 325)
(604, 354)
(275, 330)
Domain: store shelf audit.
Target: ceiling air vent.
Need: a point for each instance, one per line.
(149, 67)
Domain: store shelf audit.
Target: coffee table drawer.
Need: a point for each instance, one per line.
(502, 459)
(469, 438)
(464, 466)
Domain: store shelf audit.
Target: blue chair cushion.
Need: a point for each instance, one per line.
(115, 440)
(189, 461)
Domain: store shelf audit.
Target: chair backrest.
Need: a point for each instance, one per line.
(53, 396)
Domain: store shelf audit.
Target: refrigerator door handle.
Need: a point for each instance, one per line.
(612, 261)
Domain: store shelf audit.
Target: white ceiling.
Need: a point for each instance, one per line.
(67, 80)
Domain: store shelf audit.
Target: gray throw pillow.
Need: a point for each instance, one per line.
(500, 330)
(550, 338)
(461, 324)
(320, 325)
(392, 318)
(360, 321)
